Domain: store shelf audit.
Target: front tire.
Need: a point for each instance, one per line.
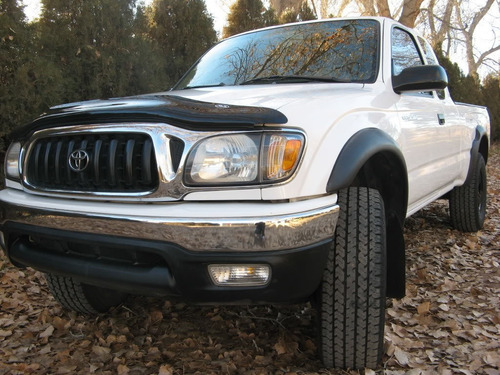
(84, 298)
(352, 294)
(468, 202)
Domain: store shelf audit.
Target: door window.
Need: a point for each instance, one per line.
(405, 54)
(404, 51)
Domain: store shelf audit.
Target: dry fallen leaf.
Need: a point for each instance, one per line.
(100, 350)
(5, 333)
(280, 348)
(60, 324)
(401, 357)
(156, 316)
(122, 370)
(492, 359)
(166, 370)
(48, 332)
(424, 308)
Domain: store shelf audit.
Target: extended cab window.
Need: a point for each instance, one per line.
(431, 60)
(429, 53)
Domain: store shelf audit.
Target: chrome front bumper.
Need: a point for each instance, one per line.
(194, 226)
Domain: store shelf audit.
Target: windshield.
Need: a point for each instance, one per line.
(337, 51)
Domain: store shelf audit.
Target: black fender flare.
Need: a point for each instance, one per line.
(480, 134)
(357, 151)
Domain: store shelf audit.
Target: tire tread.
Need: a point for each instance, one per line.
(352, 296)
(80, 297)
(465, 214)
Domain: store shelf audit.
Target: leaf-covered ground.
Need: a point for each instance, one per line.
(449, 322)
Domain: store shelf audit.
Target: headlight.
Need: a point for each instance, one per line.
(224, 160)
(12, 161)
(237, 159)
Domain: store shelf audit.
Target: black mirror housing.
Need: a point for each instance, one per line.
(420, 78)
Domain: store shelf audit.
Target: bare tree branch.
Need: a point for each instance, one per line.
(324, 5)
(343, 5)
(481, 59)
(468, 33)
(411, 10)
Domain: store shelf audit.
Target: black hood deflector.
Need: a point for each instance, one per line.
(174, 110)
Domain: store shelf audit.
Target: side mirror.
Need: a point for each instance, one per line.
(420, 78)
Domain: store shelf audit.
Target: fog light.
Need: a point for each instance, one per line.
(240, 274)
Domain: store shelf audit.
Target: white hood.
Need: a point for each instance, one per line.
(282, 97)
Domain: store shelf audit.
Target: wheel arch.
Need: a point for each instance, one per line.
(371, 158)
(482, 142)
(480, 146)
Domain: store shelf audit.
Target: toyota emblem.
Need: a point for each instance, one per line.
(79, 160)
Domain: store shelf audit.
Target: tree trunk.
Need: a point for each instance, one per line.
(411, 10)
(439, 35)
(383, 8)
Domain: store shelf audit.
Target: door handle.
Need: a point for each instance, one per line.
(441, 119)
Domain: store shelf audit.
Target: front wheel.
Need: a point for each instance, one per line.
(352, 294)
(80, 297)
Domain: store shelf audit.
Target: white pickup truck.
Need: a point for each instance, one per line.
(280, 169)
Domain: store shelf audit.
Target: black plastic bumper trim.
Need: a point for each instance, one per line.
(141, 280)
(296, 273)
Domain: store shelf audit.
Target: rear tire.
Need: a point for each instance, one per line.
(352, 294)
(468, 202)
(80, 297)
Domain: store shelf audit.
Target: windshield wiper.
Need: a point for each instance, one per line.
(291, 79)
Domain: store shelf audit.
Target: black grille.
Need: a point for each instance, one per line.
(116, 163)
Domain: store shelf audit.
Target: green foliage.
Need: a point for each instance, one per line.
(148, 66)
(248, 15)
(462, 88)
(86, 49)
(19, 78)
(491, 97)
(91, 43)
(304, 13)
(270, 18)
(181, 30)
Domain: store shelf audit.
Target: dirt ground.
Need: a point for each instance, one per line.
(449, 322)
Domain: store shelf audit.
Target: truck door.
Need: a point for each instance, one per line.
(455, 122)
(425, 137)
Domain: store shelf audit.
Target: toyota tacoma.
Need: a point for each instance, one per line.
(279, 169)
